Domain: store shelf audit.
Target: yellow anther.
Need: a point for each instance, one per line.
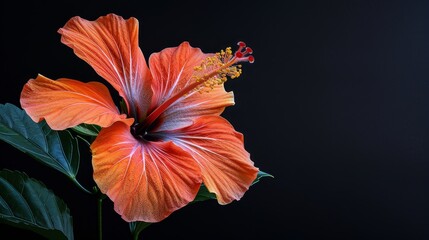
(215, 70)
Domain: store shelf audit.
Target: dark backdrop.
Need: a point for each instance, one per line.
(336, 107)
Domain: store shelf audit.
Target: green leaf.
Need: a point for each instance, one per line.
(27, 204)
(57, 149)
(87, 129)
(261, 175)
(137, 227)
(204, 194)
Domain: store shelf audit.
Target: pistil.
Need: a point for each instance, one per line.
(214, 70)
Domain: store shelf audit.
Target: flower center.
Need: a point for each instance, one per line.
(214, 70)
(144, 135)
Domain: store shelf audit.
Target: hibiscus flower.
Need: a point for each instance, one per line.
(151, 157)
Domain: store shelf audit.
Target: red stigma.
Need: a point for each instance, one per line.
(243, 53)
(251, 59)
(241, 44)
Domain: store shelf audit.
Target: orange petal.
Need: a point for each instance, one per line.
(110, 45)
(147, 181)
(172, 69)
(195, 105)
(225, 164)
(65, 103)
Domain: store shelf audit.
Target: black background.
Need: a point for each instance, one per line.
(336, 107)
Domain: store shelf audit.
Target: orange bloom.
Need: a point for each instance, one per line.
(151, 158)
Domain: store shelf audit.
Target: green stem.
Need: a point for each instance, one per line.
(100, 221)
(137, 227)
